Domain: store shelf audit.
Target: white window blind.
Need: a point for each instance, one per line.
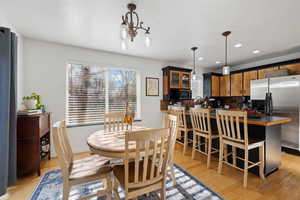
(93, 91)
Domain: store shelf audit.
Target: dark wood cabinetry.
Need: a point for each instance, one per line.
(294, 69)
(211, 85)
(261, 72)
(33, 142)
(175, 78)
(247, 78)
(225, 86)
(236, 84)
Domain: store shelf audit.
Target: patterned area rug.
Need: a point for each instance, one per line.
(187, 187)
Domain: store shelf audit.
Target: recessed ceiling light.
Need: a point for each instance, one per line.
(256, 51)
(200, 58)
(238, 45)
(218, 62)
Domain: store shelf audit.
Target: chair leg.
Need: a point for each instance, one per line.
(262, 161)
(234, 155)
(163, 190)
(185, 142)
(115, 189)
(226, 152)
(209, 152)
(221, 157)
(109, 186)
(195, 137)
(246, 167)
(66, 191)
(173, 174)
(206, 145)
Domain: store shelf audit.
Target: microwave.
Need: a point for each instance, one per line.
(176, 94)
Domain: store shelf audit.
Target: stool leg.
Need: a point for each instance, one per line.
(246, 167)
(185, 142)
(234, 155)
(194, 145)
(209, 152)
(262, 161)
(221, 157)
(226, 152)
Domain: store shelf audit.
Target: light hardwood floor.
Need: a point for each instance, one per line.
(282, 185)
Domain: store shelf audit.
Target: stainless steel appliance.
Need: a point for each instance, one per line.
(178, 94)
(286, 102)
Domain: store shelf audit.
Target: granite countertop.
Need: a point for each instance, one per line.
(264, 120)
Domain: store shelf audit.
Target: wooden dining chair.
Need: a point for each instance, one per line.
(147, 173)
(115, 122)
(233, 130)
(80, 171)
(202, 129)
(182, 126)
(172, 125)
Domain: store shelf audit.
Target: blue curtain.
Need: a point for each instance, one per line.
(8, 117)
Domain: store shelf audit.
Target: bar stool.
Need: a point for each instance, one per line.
(232, 134)
(202, 129)
(182, 125)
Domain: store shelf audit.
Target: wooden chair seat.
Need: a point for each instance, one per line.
(252, 143)
(89, 166)
(119, 173)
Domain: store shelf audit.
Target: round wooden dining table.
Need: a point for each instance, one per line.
(110, 144)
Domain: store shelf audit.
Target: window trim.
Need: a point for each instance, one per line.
(138, 117)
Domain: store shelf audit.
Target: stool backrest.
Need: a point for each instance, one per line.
(232, 125)
(201, 120)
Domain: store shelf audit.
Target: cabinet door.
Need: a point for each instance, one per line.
(247, 77)
(261, 72)
(215, 86)
(174, 79)
(294, 69)
(225, 85)
(237, 84)
(185, 80)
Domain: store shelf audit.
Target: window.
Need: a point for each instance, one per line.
(93, 91)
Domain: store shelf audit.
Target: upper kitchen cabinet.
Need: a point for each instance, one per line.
(175, 78)
(236, 84)
(225, 86)
(247, 78)
(261, 72)
(211, 85)
(185, 80)
(294, 69)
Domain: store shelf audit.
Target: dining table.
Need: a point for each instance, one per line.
(111, 144)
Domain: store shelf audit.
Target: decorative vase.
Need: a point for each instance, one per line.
(29, 104)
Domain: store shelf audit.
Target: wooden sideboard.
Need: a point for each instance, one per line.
(33, 140)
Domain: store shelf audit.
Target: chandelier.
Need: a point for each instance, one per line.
(130, 26)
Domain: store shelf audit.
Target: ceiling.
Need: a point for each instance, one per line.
(272, 26)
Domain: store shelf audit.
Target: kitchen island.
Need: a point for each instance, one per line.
(265, 127)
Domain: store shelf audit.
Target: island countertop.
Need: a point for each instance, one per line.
(264, 120)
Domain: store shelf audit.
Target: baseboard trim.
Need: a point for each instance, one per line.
(291, 151)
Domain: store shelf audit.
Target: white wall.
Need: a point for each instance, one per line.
(45, 74)
(5, 23)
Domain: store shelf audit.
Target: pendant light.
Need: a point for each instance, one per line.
(194, 77)
(226, 68)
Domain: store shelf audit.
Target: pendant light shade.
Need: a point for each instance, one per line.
(194, 76)
(226, 68)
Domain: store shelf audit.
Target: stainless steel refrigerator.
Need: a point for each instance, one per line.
(286, 102)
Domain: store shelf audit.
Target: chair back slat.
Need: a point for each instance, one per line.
(201, 120)
(62, 147)
(180, 112)
(172, 125)
(229, 125)
(115, 122)
(149, 156)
